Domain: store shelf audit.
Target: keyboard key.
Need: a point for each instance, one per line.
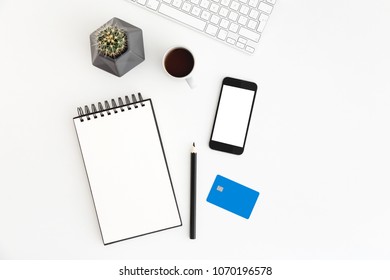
(231, 41)
(263, 21)
(225, 2)
(251, 43)
(186, 7)
(249, 34)
(271, 2)
(196, 2)
(233, 16)
(233, 27)
(205, 4)
(265, 8)
(142, 2)
(214, 8)
(253, 3)
(177, 3)
(205, 15)
(178, 15)
(222, 34)
(244, 10)
(242, 20)
(250, 49)
(254, 14)
(240, 45)
(223, 12)
(211, 29)
(215, 19)
(224, 23)
(235, 5)
(233, 36)
(152, 4)
(196, 11)
(242, 40)
(252, 24)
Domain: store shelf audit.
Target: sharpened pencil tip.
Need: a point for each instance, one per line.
(193, 149)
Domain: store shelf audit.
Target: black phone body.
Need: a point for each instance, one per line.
(233, 115)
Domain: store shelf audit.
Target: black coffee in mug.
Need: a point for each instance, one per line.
(179, 62)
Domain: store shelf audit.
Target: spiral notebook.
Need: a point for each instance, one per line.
(126, 168)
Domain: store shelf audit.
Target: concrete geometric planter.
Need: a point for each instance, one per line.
(117, 47)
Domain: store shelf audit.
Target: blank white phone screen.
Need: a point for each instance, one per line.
(233, 115)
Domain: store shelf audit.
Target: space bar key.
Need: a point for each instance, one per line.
(182, 17)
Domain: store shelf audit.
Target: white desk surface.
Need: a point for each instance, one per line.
(318, 148)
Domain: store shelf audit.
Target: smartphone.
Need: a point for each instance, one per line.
(233, 115)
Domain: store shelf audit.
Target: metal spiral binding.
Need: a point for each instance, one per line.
(108, 109)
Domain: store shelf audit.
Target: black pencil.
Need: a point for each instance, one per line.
(193, 193)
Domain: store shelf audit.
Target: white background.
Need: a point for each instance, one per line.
(318, 149)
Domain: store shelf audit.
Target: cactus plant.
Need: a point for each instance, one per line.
(117, 47)
(111, 41)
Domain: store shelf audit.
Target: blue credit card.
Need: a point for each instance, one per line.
(232, 196)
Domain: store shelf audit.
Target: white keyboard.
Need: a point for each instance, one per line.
(238, 23)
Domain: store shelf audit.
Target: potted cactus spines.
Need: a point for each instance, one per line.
(111, 41)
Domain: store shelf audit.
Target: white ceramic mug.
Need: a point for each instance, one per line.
(179, 62)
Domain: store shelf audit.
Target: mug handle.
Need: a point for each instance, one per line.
(191, 82)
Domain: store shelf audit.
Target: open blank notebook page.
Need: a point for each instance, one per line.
(127, 172)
